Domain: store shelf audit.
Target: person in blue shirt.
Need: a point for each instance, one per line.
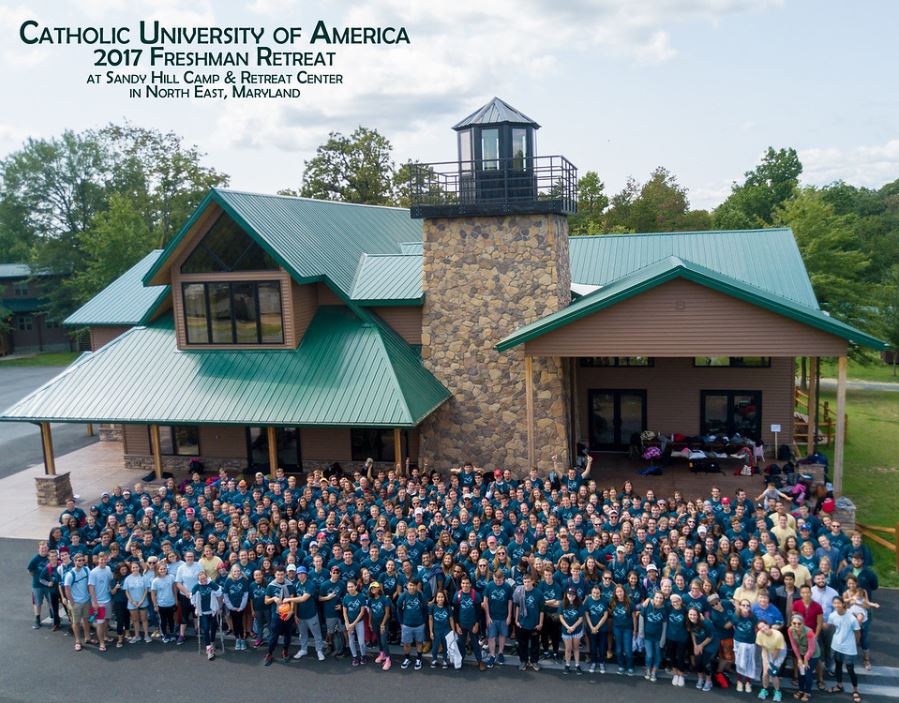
(99, 584)
(40, 585)
(441, 621)
(705, 646)
(498, 595)
(330, 593)
(467, 616)
(162, 593)
(138, 596)
(596, 614)
(571, 618)
(412, 610)
(529, 622)
(765, 611)
(280, 595)
(307, 615)
(745, 658)
(655, 615)
(261, 613)
(552, 601)
(677, 638)
(78, 595)
(380, 609)
(237, 595)
(622, 613)
(354, 610)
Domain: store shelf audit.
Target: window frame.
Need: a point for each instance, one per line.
(734, 362)
(210, 341)
(25, 323)
(386, 450)
(589, 362)
(730, 395)
(172, 429)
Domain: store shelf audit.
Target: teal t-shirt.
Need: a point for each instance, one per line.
(595, 608)
(441, 615)
(677, 625)
(498, 598)
(533, 602)
(377, 607)
(570, 614)
(353, 605)
(622, 616)
(235, 590)
(467, 606)
(550, 591)
(411, 609)
(308, 608)
(744, 629)
(654, 622)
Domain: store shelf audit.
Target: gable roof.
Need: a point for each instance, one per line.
(8, 271)
(767, 259)
(495, 112)
(668, 269)
(125, 301)
(393, 279)
(346, 371)
(313, 239)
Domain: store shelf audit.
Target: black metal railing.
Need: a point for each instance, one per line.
(539, 184)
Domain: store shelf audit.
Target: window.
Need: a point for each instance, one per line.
(519, 149)
(226, 247)
(374, 443)
(605, 361)
(287, 439)
(50, 323)
(179, 440)
(731, 412)
(233, 313)
(490, 149)
(20, 290)
(465, 150)
(734, 362)
(23, 323)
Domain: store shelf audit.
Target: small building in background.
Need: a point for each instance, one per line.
(28, 328)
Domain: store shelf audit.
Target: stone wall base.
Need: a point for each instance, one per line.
(109, 433)
(53, 490)
(144, 462)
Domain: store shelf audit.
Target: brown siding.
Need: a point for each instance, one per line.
(326, 296)
(405, 321)
(326, 443)
(136, 439)
(681, 318)
(673, 392)
(223, 441)
(104, 335)
(305, 303)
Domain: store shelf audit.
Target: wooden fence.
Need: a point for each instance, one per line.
(827, 421)
(870, 531)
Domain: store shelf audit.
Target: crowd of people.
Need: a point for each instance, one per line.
(728, 590)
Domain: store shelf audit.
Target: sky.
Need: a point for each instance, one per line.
(701, 87)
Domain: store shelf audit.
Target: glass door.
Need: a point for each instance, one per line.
(290, 456)
(615, 416)
(726, 413)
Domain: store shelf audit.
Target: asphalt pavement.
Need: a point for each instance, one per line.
(20, 442)
(40, 665)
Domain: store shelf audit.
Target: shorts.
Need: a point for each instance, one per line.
(726, 652)
(331, 625)
(412, 635)
(573, 635)
(846, 659)
(40, 594)
(100, 614)
(497, 628)
(775, 664)
(80, 610)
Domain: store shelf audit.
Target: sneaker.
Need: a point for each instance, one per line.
(535, 666)
(699, 684)
(257, 644)
(482, 666)
(708, 685)
(37, 623)
(148, 639)
(500, 658)
(445, 664)
(567, 669)
(355, 661)
(433, 663)
(490, 662)
(630, 672)
(406, 663)
(602, 668)
(386, 666)
(593, 668)
(210, 652)
(777, 697)
(646, 675)
(268, 659)
(180, 639)
(320, 654)
(418, 664)
(763, 694)
(133, 640)
(380, 658)
(523, 666)
(362, 660)
(747, 687)
(578, 671)
(652, 677)
(739, 687)
(674, 681)
(301, 652)
(621, 671)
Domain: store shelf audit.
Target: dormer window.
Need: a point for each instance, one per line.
(233, 312)
(226, 248)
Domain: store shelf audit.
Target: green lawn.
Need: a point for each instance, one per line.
(871, 466)
(45, 359)
(874, 370)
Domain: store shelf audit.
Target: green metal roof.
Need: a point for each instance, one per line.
(347, 371)
(411, 248)
(22, 304)
(312, 239)
(496, 111)
(19, 271)
(125, 301)
(389, 278)
(673, 267)
(767, 259)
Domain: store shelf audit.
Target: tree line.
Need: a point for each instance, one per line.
(91, 204)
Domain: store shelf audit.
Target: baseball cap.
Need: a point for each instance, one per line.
(620, 548)
(652, 567)
(291, 567)
(374, 584)
(365, 537)
(725, 500)
(498, 473)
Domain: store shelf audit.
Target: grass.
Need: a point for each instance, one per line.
(871, 466)
(45, 359)
(875, 370)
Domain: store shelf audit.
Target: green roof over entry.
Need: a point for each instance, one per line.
(394, 279)
(124, 302)
(347, 371)
(668, 269)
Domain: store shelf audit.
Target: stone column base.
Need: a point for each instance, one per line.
(53, 490)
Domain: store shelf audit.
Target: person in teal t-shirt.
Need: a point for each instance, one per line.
(441, 620)
(354, 609)
(237, 595)
(654, 615)
(596, 608)
(498, 595)
(571, 617)
(529, 622)
(467, 613)
(380, 608)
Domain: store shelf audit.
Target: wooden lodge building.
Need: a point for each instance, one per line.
(294, 332)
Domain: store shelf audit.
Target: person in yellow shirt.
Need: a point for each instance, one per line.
(782, 529)
(773, 650)
(800, 571)
(210, 562)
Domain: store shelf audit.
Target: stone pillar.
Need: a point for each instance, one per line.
(53, 490)
(483, 278)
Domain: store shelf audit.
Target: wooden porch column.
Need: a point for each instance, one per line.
(398, 446)
(90, 429)
(47, 444)
(812, 444)
(157, 452)
(840, 440)
(272, 449)
(529, 400)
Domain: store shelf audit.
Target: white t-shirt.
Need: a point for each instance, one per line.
(188, 575)
(845, 627)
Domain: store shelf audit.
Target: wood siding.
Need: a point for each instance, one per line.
(673, 392)
(405, 321)
(305, 303)
(682, 318)
(326, 296)
(326, 444)
(223, 441)
(136, 439)
(101, 336)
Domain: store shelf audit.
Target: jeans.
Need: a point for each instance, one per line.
(208, 627)
(528, 646)
(438, 641)
(624, 647)
(357, 639)
(806, 678)
(280, 628)
(314, 626)
(383, 644)
(599, 644)
(466, 636)
(653, 654)
(262, 620)
(552, 633)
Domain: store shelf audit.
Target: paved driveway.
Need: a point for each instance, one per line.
(20, 442)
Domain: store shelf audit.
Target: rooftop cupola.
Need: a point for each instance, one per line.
(497, 171)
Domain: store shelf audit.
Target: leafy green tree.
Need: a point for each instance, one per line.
(415, 178)
(353, 169)
(889, 312)
(658, 205)
(591, 204)
(765, 188)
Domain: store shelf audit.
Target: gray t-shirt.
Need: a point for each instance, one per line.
(845, 626)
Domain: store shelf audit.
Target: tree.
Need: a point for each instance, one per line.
(354, 169)
(658, 205)
(890, 312)
(830, 249)
(766, 187)
(591, 204)
(415, 178)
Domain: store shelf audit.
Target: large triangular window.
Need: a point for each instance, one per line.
(226, 247)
